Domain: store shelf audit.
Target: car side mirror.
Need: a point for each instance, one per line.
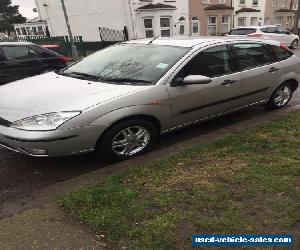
(191, 80)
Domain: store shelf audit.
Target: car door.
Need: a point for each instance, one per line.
(193, 102)
(258, 66)
(20, 62)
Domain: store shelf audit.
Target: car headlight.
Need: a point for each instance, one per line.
(50, 121)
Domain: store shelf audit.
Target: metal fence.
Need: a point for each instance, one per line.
(62, 41)
(110, 36)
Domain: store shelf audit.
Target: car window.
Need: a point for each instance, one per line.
(280, 53)
(241, 31)
(251, 55)
(18, 53)
(212, 62)
(269, 30)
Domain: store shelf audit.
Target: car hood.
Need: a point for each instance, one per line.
(52, 93)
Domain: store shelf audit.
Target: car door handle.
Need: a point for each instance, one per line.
(273, 69)
(227, 82)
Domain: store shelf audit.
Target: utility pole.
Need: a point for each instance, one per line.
(297, 18)
(73, 46)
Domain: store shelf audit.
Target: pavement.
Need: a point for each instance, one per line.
(29, 215)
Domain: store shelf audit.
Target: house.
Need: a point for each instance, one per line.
(281, 12)
(264, 12)
(210, 17)
(142, 18)
(33, 27)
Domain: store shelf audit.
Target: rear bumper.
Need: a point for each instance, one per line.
(51, 143)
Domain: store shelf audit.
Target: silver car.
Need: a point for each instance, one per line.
(117, 101)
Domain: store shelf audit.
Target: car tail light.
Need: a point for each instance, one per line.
(64, 59)
(284, 47)
(255, 34)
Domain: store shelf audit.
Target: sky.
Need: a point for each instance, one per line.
(26, 7)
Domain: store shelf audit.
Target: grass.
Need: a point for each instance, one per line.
(244, 183)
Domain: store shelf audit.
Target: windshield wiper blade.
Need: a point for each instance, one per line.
(126, 80)
(78, 74)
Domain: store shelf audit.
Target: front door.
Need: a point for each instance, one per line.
(192, 102)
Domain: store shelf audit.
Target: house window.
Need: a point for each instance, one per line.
(212, 26)
(254, 21)
(225, 24)
(181, 29)
(18, 31)
(34, 31)
(148, 26)
(222, 1)
(274, 3)
(165, 26)
(242, 2)
(255, 2)
(195, 27)
(40, 31)
(289, 22)
(283, 3)
(279, 20)
(24, 32)
(29, 31)
(242, 21)
(295, 5)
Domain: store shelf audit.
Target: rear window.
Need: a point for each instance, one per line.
(281, 54)
(241, 31)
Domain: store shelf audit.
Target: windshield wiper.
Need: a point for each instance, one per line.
(79, 74)
(125, 80)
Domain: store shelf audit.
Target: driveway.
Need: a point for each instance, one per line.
(21, 177)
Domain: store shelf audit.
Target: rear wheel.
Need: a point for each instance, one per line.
(280, 97)
(294, 44)
(127, 139)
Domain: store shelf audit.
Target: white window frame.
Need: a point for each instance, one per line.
(245, 21)
(209, 25)
(257, 18)
(198, 25)
(146, 29)
(281, 20)
(283, 3)
(165, 28)
(228, 24)
(274, 3)
(222, 1)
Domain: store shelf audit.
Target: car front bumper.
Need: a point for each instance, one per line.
(51, 143)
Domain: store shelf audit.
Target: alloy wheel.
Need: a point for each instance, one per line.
(131, 141)
(282, 96)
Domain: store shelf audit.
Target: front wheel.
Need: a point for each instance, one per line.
(280, 97)
(127, 139)
(294, 44)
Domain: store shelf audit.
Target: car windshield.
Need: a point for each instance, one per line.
(128, 63)
(240, 32)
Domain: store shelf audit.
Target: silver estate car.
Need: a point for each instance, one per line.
(117, 101)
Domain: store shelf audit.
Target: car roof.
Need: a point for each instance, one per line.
(255, 27)
(189, 42)
(16, 43)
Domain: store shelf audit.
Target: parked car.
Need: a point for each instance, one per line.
(117, 101)
(19, 60)
(268, 33)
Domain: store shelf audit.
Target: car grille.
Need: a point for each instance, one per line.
(4, 122)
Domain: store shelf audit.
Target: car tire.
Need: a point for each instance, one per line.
(280, 97)
(126, 139)
(294, 44)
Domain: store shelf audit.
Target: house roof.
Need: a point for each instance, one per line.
(247, 10)
(219, 7)
(284, 10)
(152, 6)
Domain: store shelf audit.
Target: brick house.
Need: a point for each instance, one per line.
(210, 17)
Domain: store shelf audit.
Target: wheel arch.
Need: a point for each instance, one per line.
(294, 83)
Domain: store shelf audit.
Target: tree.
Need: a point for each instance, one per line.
(9, 14)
